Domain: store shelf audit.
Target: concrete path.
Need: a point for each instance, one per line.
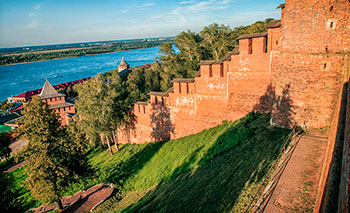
(82, 201)
(296, 190)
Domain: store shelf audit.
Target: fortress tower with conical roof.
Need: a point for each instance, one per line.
(57, 102)
(123, 65)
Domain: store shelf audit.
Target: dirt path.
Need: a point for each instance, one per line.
(297, 187)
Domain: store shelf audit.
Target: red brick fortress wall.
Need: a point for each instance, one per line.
(315, 41)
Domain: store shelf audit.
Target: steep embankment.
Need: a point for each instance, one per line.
(218, 169)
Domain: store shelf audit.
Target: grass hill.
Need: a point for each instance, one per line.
(216, 170)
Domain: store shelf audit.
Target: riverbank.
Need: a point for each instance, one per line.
(65, 57)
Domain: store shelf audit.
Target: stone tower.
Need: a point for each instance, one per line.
(123, 65)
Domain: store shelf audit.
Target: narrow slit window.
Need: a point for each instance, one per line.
(144, 109)
(156, 100)
(210, 71)
(250, 46)
(221, 70)
(265, 45)
(138, 107)
(179, 87)
(162, 101)
(187, 88)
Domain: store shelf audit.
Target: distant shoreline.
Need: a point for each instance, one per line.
(74, 56)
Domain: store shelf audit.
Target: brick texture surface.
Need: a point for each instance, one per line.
(295, 72)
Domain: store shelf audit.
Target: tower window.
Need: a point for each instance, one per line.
(210, 71)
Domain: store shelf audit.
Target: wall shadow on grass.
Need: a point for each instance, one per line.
(120, 173)
(241, 155)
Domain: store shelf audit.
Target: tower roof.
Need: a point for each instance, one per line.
(49, 91)
(123, 62)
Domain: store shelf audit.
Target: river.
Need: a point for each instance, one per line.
(18, 78)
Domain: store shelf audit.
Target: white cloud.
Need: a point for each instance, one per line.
(207, 5)
(36, 7)
(124, 11)
(187, 2)
(148, 4)
(31, 14)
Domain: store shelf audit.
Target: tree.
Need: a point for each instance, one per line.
(217, 40)
(4, 145)
(53, 157)
(5, 106)
(104, 106)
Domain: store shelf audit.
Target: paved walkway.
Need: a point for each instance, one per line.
(296, 190)
(82, 201)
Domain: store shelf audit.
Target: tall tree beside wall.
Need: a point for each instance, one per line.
(53, 157)
(104, 106)
(212, 43)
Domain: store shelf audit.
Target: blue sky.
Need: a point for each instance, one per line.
(37, 22)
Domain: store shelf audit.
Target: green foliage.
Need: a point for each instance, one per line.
(212, 43)
(5, 141)
(69, 92)
(104, 106)
(53, 157)
(5, 106)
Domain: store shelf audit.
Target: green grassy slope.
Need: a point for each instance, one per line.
(216, 170)
(14, 197)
